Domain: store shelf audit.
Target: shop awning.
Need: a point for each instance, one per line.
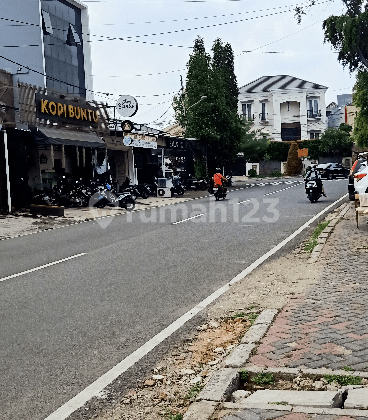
(46, 136)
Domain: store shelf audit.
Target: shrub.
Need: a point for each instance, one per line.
(263, 378)
(252, 172)
(278, 150)
(294, 163)
(244, 375)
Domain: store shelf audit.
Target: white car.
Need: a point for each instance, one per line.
(361, 180)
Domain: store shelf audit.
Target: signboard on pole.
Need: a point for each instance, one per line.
(128, 141)
(126, 106)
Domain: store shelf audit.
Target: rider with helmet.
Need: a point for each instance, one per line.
(313, 174)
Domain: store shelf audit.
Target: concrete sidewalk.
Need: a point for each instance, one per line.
(323, 332)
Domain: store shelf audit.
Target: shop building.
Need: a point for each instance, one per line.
(46, 44)
(142, 153)
(49, 134)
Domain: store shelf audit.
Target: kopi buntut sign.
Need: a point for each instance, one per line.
(59, 110)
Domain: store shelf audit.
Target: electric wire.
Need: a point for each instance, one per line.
(131, 38)
(140, 96)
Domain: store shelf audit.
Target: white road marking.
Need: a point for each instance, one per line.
(93, 390)
(41, 267)
(189, 218)
(260, 260)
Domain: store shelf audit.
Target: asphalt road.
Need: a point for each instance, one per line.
(65, 325)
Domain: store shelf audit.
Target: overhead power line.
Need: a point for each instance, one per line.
(78, 87)
(138, 96)
(134, 38)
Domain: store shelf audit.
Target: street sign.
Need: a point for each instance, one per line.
(127, 106)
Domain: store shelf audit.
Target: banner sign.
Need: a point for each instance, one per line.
(128, 141)
(59, 110)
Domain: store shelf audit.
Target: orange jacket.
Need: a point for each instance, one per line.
(218, 178)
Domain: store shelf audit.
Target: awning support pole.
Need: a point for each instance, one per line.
(5, 136)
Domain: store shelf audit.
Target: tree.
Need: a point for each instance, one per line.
(227, 123)
(253, 144)
(188, 104)
(214, 121)
(293, 163)
(335, 141)
(360, 98)
(348, 33)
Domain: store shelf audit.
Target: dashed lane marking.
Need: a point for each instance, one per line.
(41, 267)
(189, 218)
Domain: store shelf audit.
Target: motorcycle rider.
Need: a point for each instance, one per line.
(218, 180)
(312, 173)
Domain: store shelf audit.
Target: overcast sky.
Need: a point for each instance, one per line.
(264, 34)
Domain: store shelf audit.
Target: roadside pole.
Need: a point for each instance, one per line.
(6, 155)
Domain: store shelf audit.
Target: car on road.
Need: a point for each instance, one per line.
(332, 170)
(359, 165)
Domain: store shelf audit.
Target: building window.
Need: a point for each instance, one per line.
(72, 37)
(312, 111)
(247, 111)
(314, 135)
(263, 114)
(46, 23)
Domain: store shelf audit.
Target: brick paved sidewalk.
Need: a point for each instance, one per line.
(327, 327)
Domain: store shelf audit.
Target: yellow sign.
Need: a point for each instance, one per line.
(68, 111)
(61, 110)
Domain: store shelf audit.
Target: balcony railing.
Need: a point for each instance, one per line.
(263, 116)
(248, 117)
(313, 114)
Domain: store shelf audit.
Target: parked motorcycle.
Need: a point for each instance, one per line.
(177, 187)
(195, 184)
(105, 195)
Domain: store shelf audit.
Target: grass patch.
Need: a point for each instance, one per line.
(250, 317)
(175, 417)
(244, 375)
(348, 368)
(263, 378)
(343, 380)
(169, 416)
(313, 240)
(194, 391)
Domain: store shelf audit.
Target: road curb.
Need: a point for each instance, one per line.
(326, 233)
(225, 381)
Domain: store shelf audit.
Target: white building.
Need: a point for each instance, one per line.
(285, 107)
(337, 112)
(46, 43)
